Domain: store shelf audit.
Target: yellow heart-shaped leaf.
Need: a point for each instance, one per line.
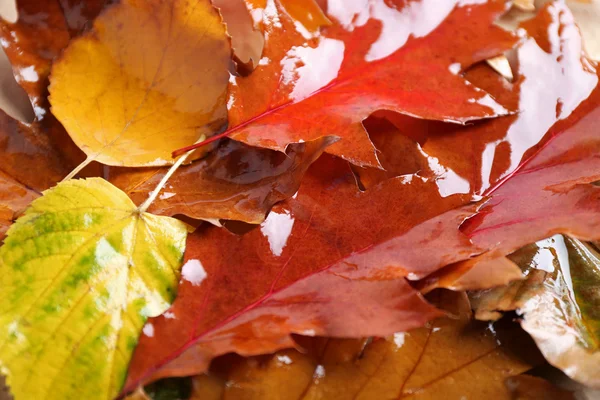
(149, 78)
(81, 271)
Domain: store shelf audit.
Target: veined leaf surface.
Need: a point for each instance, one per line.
(81, 272)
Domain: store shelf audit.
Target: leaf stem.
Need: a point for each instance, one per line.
(78, 168)
(144, 206)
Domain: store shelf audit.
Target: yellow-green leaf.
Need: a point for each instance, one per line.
(149, 78)
(80, 272)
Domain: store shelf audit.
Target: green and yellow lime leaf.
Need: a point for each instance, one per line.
(150, 77)
(81, 271)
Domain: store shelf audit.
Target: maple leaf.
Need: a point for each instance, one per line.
(363, 245)
(234, 182)
(477, 158)
(340, 236)
(452, 356)
(129, 89)
(82, 270)
(359, 65)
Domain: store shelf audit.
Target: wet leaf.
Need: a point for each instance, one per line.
(129, 91)
(549, 191)
(246, 41)
(235, 182)
(82, 270)
(42, 31)
(302, 270)
(478, 158)
(31, 161)
(527, 387)
(308, 85)
(451, 356)
(559, 303)
(481, 272)
(564, 320)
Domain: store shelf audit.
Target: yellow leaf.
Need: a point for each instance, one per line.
(82, 270)
(150, 77)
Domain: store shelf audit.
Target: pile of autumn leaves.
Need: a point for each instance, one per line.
(379, 182)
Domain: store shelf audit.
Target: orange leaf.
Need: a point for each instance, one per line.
(327, 245)
(453, 357)
(234, 182)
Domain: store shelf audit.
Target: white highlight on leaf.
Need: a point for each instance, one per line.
(284, 359)
(399, 339)
(169, 315)
(277, 229)
(166, 195)
(454, 68)
(491, 103)
(463, 3)
(417, 19)
(29, 74)
(319, 371)
(148, 330)
(447, 181)
(303, 67)
(193, 272)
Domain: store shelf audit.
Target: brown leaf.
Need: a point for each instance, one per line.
(328, 245)
(30, 162)
(451, 356)
(481, 272)
(43, 30)
(235, 182)
(527, 387)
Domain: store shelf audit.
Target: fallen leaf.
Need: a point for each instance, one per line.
(246, 41)
(82, 270)
(451, 356)
(478, 273)
(325, 246)
(559, 303)
(563, 320)
(234, 182)
(42, 31)
(309, 85)
(502, 66)
(527, 387)
(27, 145)
(478, 158)
(129, 91)
(490, 304)
(549, 191)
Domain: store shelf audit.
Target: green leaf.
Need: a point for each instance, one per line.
(81, 271)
